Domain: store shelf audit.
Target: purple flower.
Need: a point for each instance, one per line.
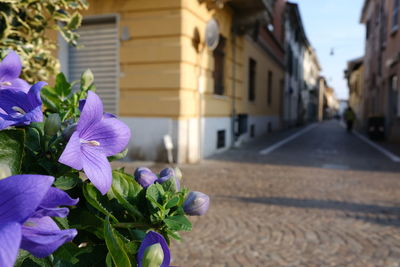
(26, 202)
(96, 138)
(168, 174)
(20, 108)
(10, 69)
(153, 251)
(196, 204)
(145, 177)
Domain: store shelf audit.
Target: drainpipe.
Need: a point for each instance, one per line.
(233, 87)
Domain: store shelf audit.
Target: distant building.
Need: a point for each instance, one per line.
(331, 103)
(296, 44)
(310, 94)
(322, 85)
(381, 95)
(355, 81)
(153, 68)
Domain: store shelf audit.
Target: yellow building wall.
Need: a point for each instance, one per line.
(160, 68)
(150, 60)
(357, 95)
(201, 64)
(264, 64)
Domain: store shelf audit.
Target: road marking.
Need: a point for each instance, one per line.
(275, 146)
(384, 151)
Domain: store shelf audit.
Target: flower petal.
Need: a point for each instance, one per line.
(10, 239)
(97, 168)
(91, 114)
(34, 94)
(5, 122)
(54, 198)
(72, 155)
(17, 85)
(35, 115)
(150, 239)
(112, 134)
(20, 195)
(10, 99)
(10, 67)
(41, 236)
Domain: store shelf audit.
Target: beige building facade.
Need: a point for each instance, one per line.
(153, 69)
(355, 81)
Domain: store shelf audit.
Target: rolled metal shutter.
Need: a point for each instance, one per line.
(99, 52)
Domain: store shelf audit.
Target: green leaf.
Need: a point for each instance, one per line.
(50, 98)
(62, 222)
(33, 139)
(12, 149)
(87, 79)
(154, 196)
(118, 156)
(172, 203)
(75, 21)
(170, 185)
(69, 253)
(174, 235)
(126, 190)
(178, 223)
(62, 87)
(22, 256)
(42, 262)
(109, 262)
(125, 185)
(82, 219)
(66, 182)
(93, 196)
(115, 246)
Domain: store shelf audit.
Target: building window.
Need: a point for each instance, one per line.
(269, 88)
(252, 79)
(395, 23)
(221, 139)
(368, 29)
(219, 67)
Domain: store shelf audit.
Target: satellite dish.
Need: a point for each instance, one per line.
(212, 34)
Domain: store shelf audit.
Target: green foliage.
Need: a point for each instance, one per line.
(111, 227)
(12, 149)
(29, 27)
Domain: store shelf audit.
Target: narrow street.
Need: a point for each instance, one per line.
(326, 198)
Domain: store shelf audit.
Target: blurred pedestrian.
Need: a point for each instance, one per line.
(349, 116)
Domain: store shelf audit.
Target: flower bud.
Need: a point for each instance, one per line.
(168, 175)
(178, 173)
(153, 256)
(68, 131)
(196, 204)
(52, 124)
(145, 177)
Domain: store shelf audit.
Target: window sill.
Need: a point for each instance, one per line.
(221, 97)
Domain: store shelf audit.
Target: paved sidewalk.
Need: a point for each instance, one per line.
(286, 209)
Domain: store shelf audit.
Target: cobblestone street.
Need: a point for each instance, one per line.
(323, 199)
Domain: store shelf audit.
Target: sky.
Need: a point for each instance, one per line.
(334, 24)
